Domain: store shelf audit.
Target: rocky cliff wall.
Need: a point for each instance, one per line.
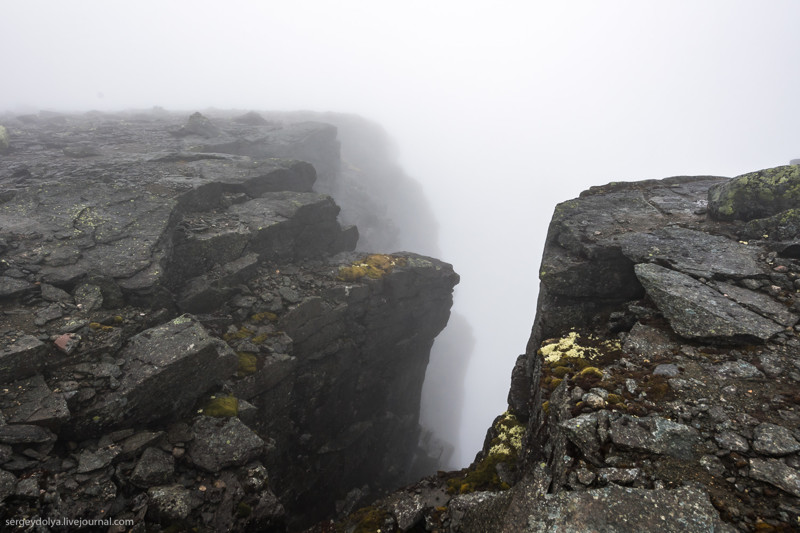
(189, 340)
(659, 388)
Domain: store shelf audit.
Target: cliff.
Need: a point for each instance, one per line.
(659, 387)
(188, 338)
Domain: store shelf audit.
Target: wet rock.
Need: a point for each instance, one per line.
(25, 434)
(696, 311)
(180, 351)
(656, 435)
(756, 195)
(219, 443)
(616, 508)
(8, 484)
(771, 439)
(31, 401)
(692, 252)
(12, 288)
(775, 472)
(155, 467)
(22, 357)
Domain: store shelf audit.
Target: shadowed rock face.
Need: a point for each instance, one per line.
(659, 386)
(188, 338)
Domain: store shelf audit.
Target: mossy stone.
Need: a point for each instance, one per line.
(222, 407)
(756, 195)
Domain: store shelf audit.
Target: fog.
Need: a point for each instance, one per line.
(499, 109)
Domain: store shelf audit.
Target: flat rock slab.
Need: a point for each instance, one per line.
(655, 435)
(21, 357)
(775, 472)
(180, 351)
(222, 442)
(620, 510)
(696, 311)
(692, 252)
(31, 401)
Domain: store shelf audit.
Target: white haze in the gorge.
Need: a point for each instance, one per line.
(500, 109)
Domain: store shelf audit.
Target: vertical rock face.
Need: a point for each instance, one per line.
(189, 340)
(659, 385)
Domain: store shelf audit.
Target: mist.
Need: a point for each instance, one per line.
(500, 110)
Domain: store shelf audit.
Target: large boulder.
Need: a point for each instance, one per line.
(758, 194)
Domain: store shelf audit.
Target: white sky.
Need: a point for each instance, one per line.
(499, 108)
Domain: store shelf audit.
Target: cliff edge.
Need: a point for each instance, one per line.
(659, 387)
(189, 341)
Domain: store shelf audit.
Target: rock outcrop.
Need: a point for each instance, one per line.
(188, 338)
(659, 388)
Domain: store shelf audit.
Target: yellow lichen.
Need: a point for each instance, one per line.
(373, 266)
(247, 363)
(573, 346)
(221, 407)
(266, 315)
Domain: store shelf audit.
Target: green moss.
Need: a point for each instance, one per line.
(95, 325)
(222, 407)
(614, 399)
(592, 371)
(505, 447)
(373, 266)
(266, 315)
(365, 520)
(247, 363)
(561, 371)
(243, 333)
(243, 510)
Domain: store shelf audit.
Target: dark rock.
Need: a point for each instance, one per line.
(692, 252)
(738, 369)
(12, 288)
(759, 303)
(582, 431)
(25, 434)
(8, 484)
(669, 370)
(220, 443)
(169, 502)
(89, 461)
(155, 467)
(775, 472)
(648, 341)
(88, 297)
(31, 401)
(21, 357)
(656, 435)
(180, 351)
(771, 439)
(784, 226)
(728, 440)
(54, 294)
(756, 195)
(694, 310)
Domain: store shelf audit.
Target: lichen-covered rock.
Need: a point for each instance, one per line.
(758, 194)
(169, 502)
(695, 310)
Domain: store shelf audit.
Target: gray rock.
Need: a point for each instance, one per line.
(180, 351)
(772, 364)
(21, 358)
(760, 303)
(582, 432)
(89, 461)
(775, 472)
(692, 252)
(615, 509)
(696, 311)
(729, 440)
(170, 502)
(620, 476)
(54, 294)
(88, 297)
(219, 443)
(25, 434)
(771, 439)
(155, 467)
(669, 370)
(8, 484)
(738, 369)
(756, 195)
(31, 401)
(11, 288)
(656, 435)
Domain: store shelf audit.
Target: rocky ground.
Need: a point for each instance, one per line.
(660, 390)
(188, 341)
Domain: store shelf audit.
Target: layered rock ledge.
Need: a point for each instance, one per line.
(189, 340)
(659, 388)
